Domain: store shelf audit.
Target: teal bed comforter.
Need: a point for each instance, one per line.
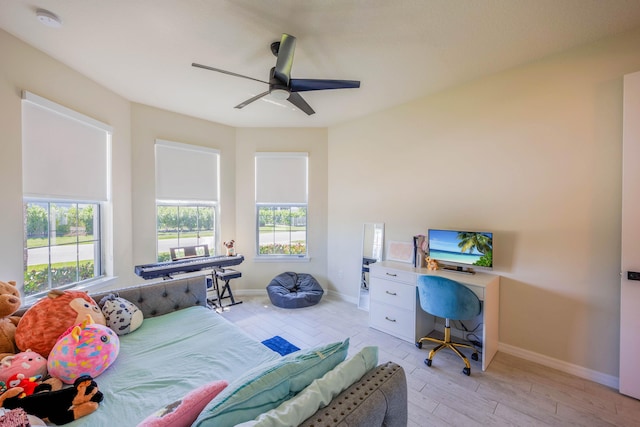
(167, 357)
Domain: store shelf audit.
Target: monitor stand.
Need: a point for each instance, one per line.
(455, 269)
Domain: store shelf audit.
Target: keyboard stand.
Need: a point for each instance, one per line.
(225, 275)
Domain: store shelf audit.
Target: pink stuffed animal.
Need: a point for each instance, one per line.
(85, 349)
(29, 363)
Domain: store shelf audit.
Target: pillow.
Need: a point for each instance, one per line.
(184, 412)
(43, 323)
(121, 315)
(267, 386)
(319, 393)
(85, 349)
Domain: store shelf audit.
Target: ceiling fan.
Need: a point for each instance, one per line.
(281, 85)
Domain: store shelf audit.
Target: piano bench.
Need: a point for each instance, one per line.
(228, 274)
(224, 291)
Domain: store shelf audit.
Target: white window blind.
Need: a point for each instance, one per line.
(186, 172)
(65, 154)
(281, 178)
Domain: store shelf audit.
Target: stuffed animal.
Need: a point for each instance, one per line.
(59, 406)
(86, 349)
(9, 303)
(28, 362)
(231, 250)
(432, 264)
(121, 315)
(47, 319)
(28, 384)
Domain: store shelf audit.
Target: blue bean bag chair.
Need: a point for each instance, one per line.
(294, 290)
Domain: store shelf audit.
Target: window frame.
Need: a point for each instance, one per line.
(98, 246)
(190, 204)
(279, 256)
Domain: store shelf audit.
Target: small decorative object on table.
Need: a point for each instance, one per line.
(231, 250)
(432, 264)
(419, 249)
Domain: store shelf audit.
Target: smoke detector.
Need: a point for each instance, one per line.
(49, 19)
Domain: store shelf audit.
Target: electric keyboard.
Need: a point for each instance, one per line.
(166, 269)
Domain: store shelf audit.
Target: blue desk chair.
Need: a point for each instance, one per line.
(451, 300)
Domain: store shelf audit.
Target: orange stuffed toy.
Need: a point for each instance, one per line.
(432, 264)
(47, 319)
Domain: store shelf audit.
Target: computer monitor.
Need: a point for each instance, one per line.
(461, 250)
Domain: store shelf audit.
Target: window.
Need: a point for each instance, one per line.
(185, 225)
(62, 244)
(65, 179)
(187, 191)
(281, 204)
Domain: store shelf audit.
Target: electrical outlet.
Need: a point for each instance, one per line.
(633, 275)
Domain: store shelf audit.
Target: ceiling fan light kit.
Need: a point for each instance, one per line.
(280, 94)
(281, 85)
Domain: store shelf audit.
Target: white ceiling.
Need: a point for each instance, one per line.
(400, 50)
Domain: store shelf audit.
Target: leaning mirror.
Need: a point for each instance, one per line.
(372, 244)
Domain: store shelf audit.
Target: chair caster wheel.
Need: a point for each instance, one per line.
(427, 362)
(419, 344)
(474, 356)
(466, 371)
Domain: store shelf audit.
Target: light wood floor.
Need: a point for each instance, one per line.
(512, 391)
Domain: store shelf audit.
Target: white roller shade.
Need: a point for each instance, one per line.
(65, 154)
(281, 178)
(186, 172)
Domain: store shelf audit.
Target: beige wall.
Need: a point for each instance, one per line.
(258, 274)
(149, 124)
(533, 154)
(25, 68)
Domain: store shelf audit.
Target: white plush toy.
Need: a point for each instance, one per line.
(121, 315)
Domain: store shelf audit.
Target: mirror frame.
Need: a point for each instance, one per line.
(372, 251)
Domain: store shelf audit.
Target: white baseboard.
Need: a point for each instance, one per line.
(569, 368)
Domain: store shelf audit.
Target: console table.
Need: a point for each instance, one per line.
(394, 305)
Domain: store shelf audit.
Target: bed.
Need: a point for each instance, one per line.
(182, 345)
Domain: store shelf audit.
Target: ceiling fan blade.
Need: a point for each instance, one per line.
(206, 67)
(302, 85)
(299, 102)
(285, 58)
(250, 100)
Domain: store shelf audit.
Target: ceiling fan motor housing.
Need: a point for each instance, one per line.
(275, 48)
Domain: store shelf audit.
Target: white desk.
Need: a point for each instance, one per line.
(394, 305)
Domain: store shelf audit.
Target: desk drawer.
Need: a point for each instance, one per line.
(392, 320)
(393, 274)
(392, 293)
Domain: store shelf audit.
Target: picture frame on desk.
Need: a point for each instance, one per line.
(400, 252)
